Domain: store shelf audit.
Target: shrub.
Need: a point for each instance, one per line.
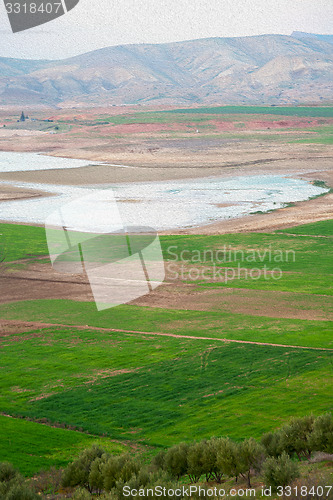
(314, 487)
(48, 481)
(121, 468)
(12, 484)
(21, 492)
(7, 472)
(272, 442)
(280, 471)
(321, 438)
(158, 461)
(176, 460)
(81, 494)
(78, 472)
(296, 437)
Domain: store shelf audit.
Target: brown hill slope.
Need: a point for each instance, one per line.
(259, 69)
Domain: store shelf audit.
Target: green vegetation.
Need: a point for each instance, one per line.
(211, 324)
(148, 388)
(281, 471)
(32, 447)
(22, 242)
(294, 256)
(221, 462)
(326, 112)
(322, 228)
(306, 263)
(319, 135)
(153, 390)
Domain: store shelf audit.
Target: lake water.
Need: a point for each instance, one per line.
(24, 162)
(161, 205)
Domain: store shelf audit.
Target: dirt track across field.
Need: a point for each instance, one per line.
(38, 325)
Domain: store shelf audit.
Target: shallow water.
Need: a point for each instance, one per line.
(170, 204)
(24, 162)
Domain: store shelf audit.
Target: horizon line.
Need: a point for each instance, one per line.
(170, 43)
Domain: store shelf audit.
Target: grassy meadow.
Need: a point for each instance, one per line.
(121, 388)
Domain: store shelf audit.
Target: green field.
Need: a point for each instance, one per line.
(149, 389)
(323, 228)
(32, 447)
(302, 111)
(310, 125)
(210, 324)
(146, 389)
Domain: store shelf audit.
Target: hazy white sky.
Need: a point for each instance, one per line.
(94, 24)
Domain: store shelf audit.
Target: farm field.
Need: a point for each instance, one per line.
(211, 351)
(228, 362)
(32, 446)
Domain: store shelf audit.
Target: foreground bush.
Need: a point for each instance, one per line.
(176, 460)
(280, 471)
(301, 437)
(322, 434)
(13, 486)
(78, 472)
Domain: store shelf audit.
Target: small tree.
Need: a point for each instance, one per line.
(211, 468)
(96, 478)
(272, 442)
(195, 461)
(158, 462)
(296, 437)
(250, 454)
(228, 458)
(280, 471)
(13, 485)
(7, 472)
(119, 469)
(21, 492)
(176, 460)
(321, 438)
(22, 118)
(111, 473)
(78, 472)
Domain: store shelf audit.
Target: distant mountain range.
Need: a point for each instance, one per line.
(267, 69)
(301, 35)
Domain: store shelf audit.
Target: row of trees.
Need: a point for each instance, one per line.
(216, 459)
(301, 437)
(220, 457)
(275, 457)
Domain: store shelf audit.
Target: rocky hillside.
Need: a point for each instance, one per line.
(273, 69)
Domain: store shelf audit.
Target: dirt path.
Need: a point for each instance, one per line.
(33, 324)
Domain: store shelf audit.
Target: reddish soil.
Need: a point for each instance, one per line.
(135, 128)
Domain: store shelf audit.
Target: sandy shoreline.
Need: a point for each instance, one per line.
(13, 193)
